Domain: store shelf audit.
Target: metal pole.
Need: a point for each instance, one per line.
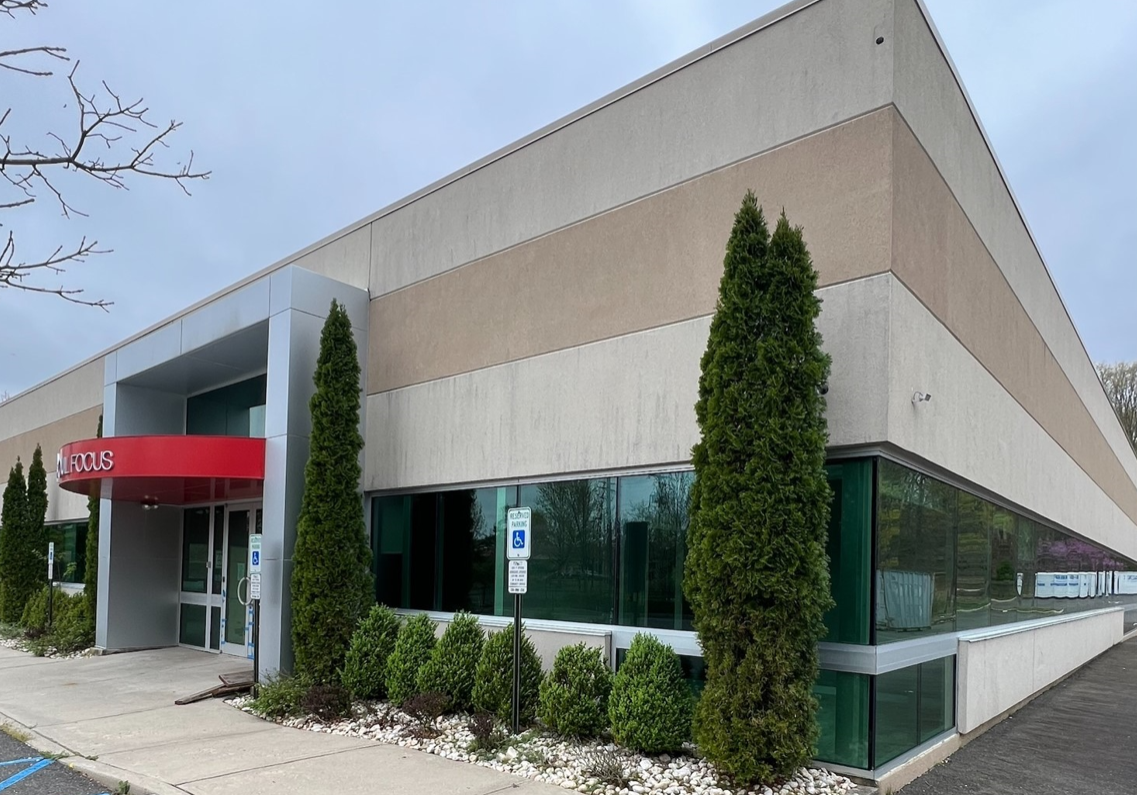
(50, 594)
(516, 663)
(256, 644)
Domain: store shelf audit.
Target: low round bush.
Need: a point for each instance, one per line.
(493, 680)
(574, 696)
(328, 702)
(650, 705)
(365, 667)
(279, 695)
(412, 650)
(72, 625)
(450, 669)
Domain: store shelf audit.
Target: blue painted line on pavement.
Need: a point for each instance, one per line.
(18, 777)
(21, 761)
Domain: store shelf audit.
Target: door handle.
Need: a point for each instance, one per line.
(244, 602)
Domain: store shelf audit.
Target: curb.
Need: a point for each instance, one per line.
(107, 775)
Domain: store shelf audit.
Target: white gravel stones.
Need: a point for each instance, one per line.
(562, 763)
(19, 644)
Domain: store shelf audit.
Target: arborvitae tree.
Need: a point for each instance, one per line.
(17, 575)
(37, 505)
(757, 574)
(332, 588)
(91, 572)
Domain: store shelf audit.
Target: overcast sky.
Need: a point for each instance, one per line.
(312, 116)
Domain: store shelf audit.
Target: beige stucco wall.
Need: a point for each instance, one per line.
(655, 262)
(61, 505)
(996, 673)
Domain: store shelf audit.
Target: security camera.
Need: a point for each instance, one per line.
(823, 389)
(921, 397)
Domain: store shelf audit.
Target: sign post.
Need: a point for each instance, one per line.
(255, 598)
(519, 545)
(50, 579)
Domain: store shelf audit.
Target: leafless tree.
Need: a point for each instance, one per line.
(112, 139)
(1120, 382)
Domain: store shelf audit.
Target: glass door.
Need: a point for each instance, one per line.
(237, 611)
(199, 616)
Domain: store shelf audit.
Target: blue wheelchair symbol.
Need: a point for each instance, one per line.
(519, 539)
(256, 557)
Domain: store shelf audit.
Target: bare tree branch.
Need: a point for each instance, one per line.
(112, 139)
(1120, 382)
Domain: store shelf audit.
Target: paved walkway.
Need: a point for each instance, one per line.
(1079, 737)
(120, 708)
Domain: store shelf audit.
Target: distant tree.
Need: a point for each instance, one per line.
(18, 561)
(757, 573)
(332, 587)
(91, 572)
(111, 139)
(37, 504)
(1120, 381)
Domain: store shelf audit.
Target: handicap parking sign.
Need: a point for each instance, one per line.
(257, 557)
(519, 522)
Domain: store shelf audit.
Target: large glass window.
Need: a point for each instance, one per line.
(913, 705)
(915, 578)
(571, 570)
(234, 410)
(440, 551)
(850, 551)
(843, 718)
(195, 555)
(70, 550)
(653, 546)
(948, 560)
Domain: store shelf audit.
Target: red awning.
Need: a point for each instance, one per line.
(168, 470)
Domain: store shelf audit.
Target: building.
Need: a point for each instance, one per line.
(533, 326)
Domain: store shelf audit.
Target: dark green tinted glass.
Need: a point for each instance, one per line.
(653, 546)
(195, 552)
(843, 718)
(850, 551)
(70, 550)
(191, 627)
(468, 555)
(973, 561)
(234, 410)
(913, 705)
(571, 568)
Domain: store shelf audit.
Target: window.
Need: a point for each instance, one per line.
(234, 410)
(653, 546)
(850, 549)
(843, 718)
(913, 705)
(571, 570)
(948, 560)
(70, 550)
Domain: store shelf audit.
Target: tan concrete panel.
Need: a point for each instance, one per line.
(647, 264)
(50, 438)
(940, 257)
(74, 390)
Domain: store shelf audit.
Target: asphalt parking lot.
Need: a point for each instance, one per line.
(25, 771)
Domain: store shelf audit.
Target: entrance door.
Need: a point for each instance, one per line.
(237, 610)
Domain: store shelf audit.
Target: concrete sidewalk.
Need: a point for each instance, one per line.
(120, 709)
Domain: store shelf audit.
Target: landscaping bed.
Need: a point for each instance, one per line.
(597, 767)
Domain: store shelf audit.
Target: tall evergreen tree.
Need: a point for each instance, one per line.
(332, 587)
(91, 572)
(17, 575)
(37, 505)
(757, 574)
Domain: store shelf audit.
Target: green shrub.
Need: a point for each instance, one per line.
(365, 667)
(450, 669)
(72, 627)
(332, 587)
(650, 705)
(412, 650)
(493, 679)
(279, 695)
(757, 573)
(574, 696)
(328, 702)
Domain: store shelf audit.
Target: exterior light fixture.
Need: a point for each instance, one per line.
(921, 397)
(149, 503)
